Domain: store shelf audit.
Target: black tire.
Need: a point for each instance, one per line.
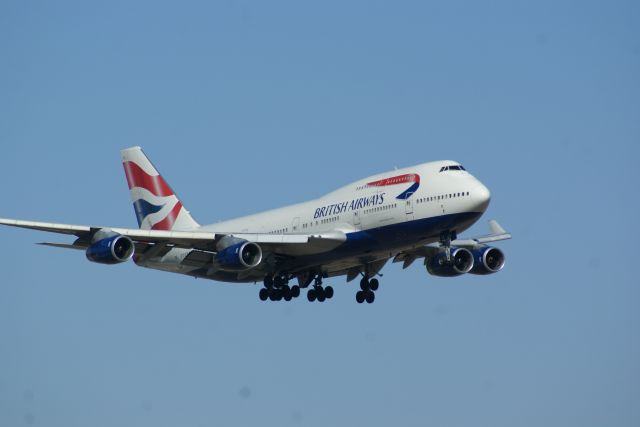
(273, 296)
(360, 297)
(286, 293)
(321, 296)
(328, 292)
(311, 295)
(371, 297)
(373, 284)
(263, 294)
(295, 291)
(364, 284)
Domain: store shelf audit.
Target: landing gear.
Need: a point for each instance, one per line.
(445, 240)
(276, 289)
(367, 293)
(318, 292)
(328, 292)
(295, 291)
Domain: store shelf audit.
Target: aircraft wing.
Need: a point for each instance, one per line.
(202, 240)
(497, 234)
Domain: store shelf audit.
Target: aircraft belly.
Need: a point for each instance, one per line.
(336, 258)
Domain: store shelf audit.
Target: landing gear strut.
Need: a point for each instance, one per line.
(445, 240)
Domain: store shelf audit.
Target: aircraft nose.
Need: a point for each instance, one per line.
(481, 197)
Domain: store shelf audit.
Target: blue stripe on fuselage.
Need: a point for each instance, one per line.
(389, 237)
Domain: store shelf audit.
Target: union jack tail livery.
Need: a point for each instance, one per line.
(155, 204)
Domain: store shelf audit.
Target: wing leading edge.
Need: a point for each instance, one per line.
(202, 240)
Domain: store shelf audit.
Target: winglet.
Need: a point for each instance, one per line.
(496, 228)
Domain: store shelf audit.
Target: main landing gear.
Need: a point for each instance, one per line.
(367, 292)
(277, 289)
(318, 292)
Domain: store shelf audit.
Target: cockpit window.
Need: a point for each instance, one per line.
(452, 168)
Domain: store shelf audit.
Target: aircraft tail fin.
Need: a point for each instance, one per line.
(156, 205)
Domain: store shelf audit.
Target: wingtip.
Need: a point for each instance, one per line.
(496, 228)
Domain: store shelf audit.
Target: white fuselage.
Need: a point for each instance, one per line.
(435, 186)
(377, 223)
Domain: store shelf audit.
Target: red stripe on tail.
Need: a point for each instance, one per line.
(136, 177)
(169, 220)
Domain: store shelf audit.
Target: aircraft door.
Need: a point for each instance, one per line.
(408, 207)
(295, 225)
(356, 219)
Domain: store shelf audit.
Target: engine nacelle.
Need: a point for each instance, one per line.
(461, 262)
(111, 250)
(487, 260)
(239, 256)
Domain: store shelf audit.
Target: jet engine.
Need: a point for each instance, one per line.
(487, 260)
(461, 262)
(111, 250)
(239, 256)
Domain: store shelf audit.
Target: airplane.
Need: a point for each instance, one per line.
(403, 215)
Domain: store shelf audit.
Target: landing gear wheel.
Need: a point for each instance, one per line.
(364, 284)
(311, 295)
(263, 294)
(328, 291)
(360, 297)
(286, 293)
(295, 291)
(371, 297)
(321, 296)
(373, 284)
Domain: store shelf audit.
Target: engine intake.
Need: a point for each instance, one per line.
(111, 250)
(239, 256)
(487, 260)
(461, 262)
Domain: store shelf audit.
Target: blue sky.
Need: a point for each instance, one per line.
(248, 106)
